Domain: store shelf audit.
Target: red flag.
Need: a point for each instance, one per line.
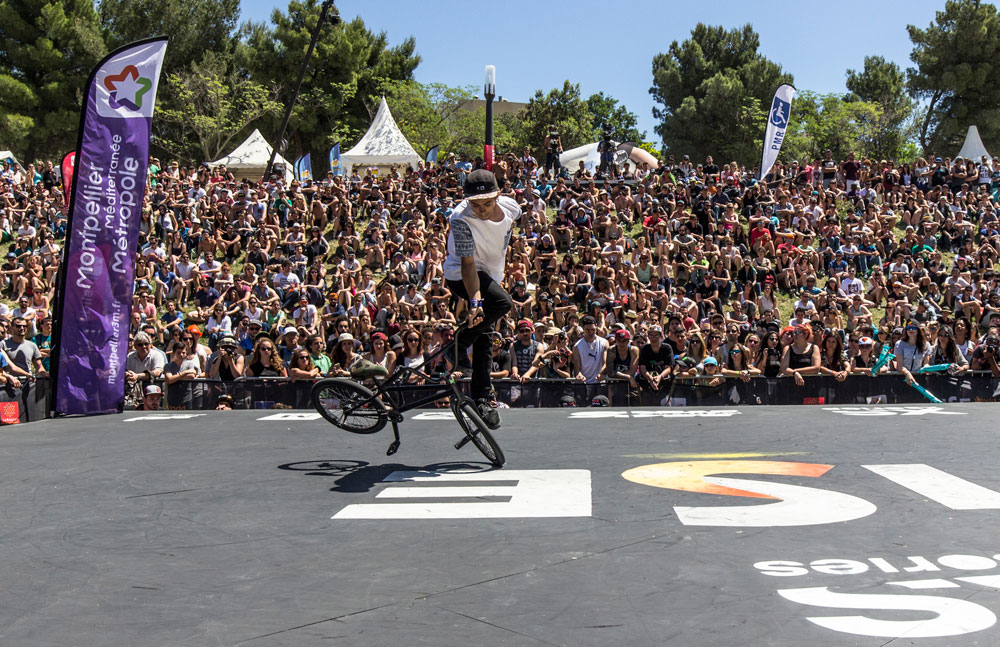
(68, 164)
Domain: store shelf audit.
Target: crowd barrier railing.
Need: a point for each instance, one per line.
(281, 393)
(267, 393)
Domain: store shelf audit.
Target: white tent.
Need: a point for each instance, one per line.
(383, 145)
(7, 155)
(249, 160)
(973, 148)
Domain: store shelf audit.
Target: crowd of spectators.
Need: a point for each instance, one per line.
(690, 270)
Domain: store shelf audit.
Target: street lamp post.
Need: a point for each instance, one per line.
(489, 91)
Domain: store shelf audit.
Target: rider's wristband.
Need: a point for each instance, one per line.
(475, 303)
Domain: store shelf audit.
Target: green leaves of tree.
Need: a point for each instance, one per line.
(710, 90)
(957, 72)
(209, 108)
(883, 84)
(47, 50)
(351, 68)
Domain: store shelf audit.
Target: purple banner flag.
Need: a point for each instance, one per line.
(105, 209)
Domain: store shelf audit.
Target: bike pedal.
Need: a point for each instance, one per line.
(393, 448)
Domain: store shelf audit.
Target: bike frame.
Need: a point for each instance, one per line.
(392, 384)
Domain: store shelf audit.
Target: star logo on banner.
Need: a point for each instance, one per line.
(127, 88)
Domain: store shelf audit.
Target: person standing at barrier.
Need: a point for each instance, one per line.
(226, 364)
(144, 363)
(479, 233)
(589, 353)
(655, 365)
(178, 373)
(912, 351)
(801, 357)
(525, 349)
(265, 361)
(622, 362)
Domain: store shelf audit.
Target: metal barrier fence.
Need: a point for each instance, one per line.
(266, 393)
(280, 393)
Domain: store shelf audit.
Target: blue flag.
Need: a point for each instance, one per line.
(432, 156)
(335, 159)
(303, 168)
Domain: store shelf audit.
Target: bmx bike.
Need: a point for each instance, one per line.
(353, 407)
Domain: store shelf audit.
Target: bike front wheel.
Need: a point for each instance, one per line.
(349, 405)
(477, 431)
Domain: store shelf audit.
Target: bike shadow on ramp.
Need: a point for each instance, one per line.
(361, 476)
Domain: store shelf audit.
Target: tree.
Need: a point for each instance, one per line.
(823, 122)
(208, 107)
(884, 84)
(194, 27)
(563, 108)
(607, 112)
(712, 88)
(957, 74)
(435, 114)
(47, 50)
(351, 68)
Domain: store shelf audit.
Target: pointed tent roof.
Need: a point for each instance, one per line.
(251, 157)
(383, 144)
(7, 155)
(973, 148)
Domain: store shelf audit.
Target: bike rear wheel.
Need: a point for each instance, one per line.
(349, 405)
(477, 431)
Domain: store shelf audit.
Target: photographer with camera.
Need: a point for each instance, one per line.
(553, 147)
(606, 147)
(986, 355)
(226, 363)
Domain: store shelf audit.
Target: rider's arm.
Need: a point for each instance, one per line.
(470, 277)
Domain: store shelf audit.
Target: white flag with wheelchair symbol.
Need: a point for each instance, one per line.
(778, 117)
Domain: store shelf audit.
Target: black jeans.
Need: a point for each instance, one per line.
(496, 303)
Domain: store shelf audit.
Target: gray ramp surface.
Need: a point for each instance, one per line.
(782, 526)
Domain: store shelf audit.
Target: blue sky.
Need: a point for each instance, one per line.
(609, 46)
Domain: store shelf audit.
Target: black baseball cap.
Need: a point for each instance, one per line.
(481, 185)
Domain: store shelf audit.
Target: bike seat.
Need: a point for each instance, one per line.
(365, 369)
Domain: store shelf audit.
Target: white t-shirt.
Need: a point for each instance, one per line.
(590, 356)
(484, 240)
(852, 286)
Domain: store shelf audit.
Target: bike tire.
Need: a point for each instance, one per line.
(477, 431)
(328, 397)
